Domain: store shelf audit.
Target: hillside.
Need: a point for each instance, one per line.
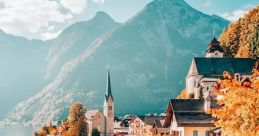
(149, 56)
(240, 39)
(22, 69)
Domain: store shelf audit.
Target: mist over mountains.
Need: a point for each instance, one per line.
(149, 56)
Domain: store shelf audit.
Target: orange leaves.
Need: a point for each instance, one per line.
(239, 112)
(237, 38)
(182, 95)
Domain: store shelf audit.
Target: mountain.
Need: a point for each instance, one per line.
(149, 56)
(21, 74)
(74, 39)
(240, 39)
(28, 65)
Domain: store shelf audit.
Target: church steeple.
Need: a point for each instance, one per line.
(108, 87)
(108, 108)
(214, 49)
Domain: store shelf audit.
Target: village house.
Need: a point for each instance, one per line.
(142, 125)
(121, 126)
(187, 117)
(158, 128)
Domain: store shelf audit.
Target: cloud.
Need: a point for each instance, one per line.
(236, 14)
(23, 17)
(75, 6)
(32, 18)
(99, 1)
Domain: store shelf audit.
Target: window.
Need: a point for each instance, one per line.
(207, 133)
(195, 133)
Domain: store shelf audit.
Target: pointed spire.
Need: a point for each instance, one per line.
(108, 87)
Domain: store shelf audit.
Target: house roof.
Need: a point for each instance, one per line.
(91, 113)
(193, 119)
(159, 123)
(216, 66)
(150, 119)
(192, 105)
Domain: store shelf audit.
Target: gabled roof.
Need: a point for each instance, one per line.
(214, 45)
(193, 119)
(150, 119)
(159, 123)
(91, 113)
(216, 66)
(184, 105)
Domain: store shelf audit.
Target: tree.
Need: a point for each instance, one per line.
(182, 95)
(95, 132)
(254, 50)
(238, 39)
(77, 119)
(239, 111)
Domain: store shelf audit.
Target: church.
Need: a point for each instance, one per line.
(206, 71)
(186, 117)
(103, 122)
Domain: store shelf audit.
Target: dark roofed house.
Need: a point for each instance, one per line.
(187, 117)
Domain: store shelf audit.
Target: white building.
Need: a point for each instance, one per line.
(187, 117)
(205, 72)
(143, 125)
(104, 122)
(95, 120)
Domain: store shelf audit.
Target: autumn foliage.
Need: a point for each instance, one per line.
(182, 95)
(238, 114)
(240, 39)
(75, 125)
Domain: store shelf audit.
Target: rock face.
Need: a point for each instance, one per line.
(149, 56)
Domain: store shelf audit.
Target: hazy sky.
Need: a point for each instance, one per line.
(45, 19)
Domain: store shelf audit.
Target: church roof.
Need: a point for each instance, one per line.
(108, 87)
(214, 45)
(216, 66)
(91, 113)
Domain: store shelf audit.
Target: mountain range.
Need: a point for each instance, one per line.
(148, 55)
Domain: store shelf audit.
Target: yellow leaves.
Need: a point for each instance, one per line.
(239, 114)
(236, 40)
(182, 95)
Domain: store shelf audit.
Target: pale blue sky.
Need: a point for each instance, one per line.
(45, 19)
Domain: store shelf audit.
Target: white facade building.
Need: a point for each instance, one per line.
(103, 122)
(205, 72)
